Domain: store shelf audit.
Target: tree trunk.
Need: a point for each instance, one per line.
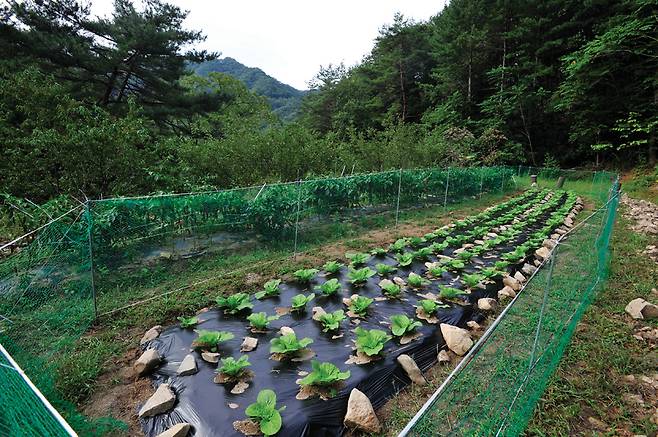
(403, 92)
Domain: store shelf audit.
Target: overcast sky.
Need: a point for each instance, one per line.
(290, 39)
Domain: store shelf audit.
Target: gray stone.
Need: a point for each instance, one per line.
(178, 430)
(543, 253)
(487, 304)
(412, 370)
(187, 366)
(360, 414)
(148, 361)
(162, 401)
(249, 344)
(528, 269)
(506, 292)
(443, 357)
(210, 357)
(457, 339)
(511, 282)
(519, 277)
(151, 334)
(641, 309)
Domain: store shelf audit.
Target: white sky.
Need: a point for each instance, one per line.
(291, 39)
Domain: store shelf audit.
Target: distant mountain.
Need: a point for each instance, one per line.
(285, 100)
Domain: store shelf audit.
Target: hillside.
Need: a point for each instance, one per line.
(285, 100)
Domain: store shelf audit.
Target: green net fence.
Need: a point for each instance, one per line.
(104, 256)
(497, 385)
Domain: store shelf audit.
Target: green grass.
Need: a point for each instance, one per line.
(589, 380)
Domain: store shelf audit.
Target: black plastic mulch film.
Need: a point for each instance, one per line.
(205, 404)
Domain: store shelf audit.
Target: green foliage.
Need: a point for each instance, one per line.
(270, 289)
(288, 344)
(264, 412)
(332, 267)
(473, 280)
(234, 303)
(378, 251)
(359, 305)
(370, 342)
(402, 325)
(209, 340)
(234, 368)
(188, 322)
(331, 321)
(324, 374)
(429, 306)
(453, 264)
(299, 302)
(384, 269)
(391, 289)
(405, 259)
(329, 288)
(416, 280)
(423, 253)
(360, 276)
(436, 271)
(261, 320)
(399, 245)
(357, 259)
(304, 276)
(450, 293)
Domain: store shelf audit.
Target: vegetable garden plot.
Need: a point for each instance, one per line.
(393, 301)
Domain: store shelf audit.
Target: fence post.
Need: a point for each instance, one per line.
(397, 207)
(481, 181)
(299, 199)
(445, 196)
(91, 256)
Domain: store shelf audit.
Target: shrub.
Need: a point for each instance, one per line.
(402, 325)
(188, 322)
(235, 303)
(261, 321)
(370, 342)
(331, 321)
(299, 302)
(324, 374)
(209, 340)
(329, 288)
(234, 368)
(265, 413)
(270, 289)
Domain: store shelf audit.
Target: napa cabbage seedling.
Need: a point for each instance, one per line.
(430, 236)
(473, 280)
(209, 340)
(450, 293)
(188, 322)
(329, 288)
(423, 253)
(438, 247)
(391, 289)
(305, 275)
(416, 280)
(331, 321)
(416, 241)
(378, 251)
(288, 344)
(384, 269)
(359, 305)
(299, 302)
(360, 276)
(436, 271)
(501, 265)
(453, 264)
(399, 245)
(261, 321)
(465, 255)
(402, 325)
(235, 303)
(357, 259)
(332, 267)
(234, 368)
(270, 289)
(265, 413)
(324, 374)
(491, 272)
(428, 306)
(370, 342)
(405, 259)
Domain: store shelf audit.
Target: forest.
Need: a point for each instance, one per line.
(98, 107)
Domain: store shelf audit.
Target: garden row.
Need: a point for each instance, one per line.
(377, 323)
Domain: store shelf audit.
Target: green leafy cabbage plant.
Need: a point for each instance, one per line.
(209, 340)
(359, 305)
(261, 321)
(331, 321)
(402, 325)
(360, 276)
(188, 322)
(235, 303)
(324, 374)
(270, 289)
(329, 288)
(299, 302)
(265, 413)
(304, 276)
(288, 344)
(370, 342)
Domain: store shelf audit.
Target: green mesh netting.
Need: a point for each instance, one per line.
(496, 390)
(112, 253)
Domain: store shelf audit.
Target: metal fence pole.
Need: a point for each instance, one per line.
(445, 196)
(299, 200)
(397, 207)
(91, 257)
